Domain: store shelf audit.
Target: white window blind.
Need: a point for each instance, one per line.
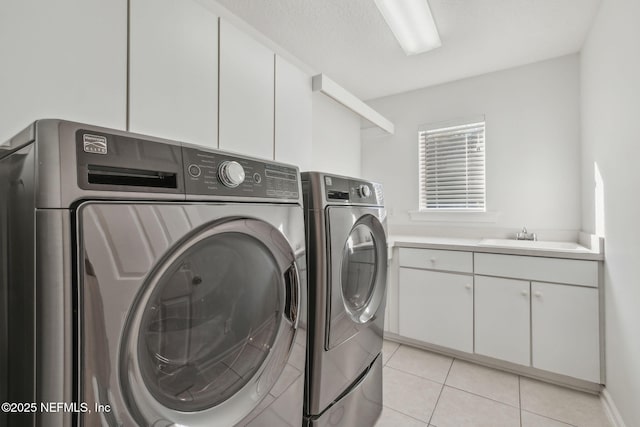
(452, 167)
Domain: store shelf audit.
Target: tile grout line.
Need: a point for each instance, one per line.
(440, 394)
(519, 407)
(402, 413)
(415, 375)
(535, 413)
(453, 359)
(552, 419)
(394, 352)
(482, 397)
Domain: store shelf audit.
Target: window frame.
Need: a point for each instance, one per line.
(422, 166)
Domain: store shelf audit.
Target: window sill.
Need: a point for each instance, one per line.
(455, 216)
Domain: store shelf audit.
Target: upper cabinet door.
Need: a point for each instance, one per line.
(173, 76)
(62, 59)
(293, 115)
(246, 94)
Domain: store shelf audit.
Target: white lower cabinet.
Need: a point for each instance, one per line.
(436, 308)
(506, 307)
(565, 330)
(502, 319)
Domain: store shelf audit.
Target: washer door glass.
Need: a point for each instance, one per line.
(210, 322)
(214, 327)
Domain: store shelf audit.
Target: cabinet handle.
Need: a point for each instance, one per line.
(433, 259)
(538, 294)
(468, 286)
(524, 293)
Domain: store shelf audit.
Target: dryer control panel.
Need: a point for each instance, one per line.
(210, 173)
(340, 189)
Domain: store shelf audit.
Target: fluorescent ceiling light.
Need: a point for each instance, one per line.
(412, 24)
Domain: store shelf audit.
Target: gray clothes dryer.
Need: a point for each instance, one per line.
(347, 261)
(146, 282)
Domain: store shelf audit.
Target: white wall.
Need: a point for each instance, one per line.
(336, 138)
(610, 80)
(532, 149)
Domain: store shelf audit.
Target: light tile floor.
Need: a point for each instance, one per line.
(427, 389)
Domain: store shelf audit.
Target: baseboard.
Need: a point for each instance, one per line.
(611, 409)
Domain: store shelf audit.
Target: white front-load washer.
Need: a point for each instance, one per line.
(149, 283)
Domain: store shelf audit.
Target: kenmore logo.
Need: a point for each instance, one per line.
(94, 144)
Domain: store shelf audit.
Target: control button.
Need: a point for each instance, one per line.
(364, 191)
(194, 171)
(231, 173)
(257, 178)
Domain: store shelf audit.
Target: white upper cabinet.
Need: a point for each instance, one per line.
(62, 59)
(293, 115)
(246, 94)
(173, 76)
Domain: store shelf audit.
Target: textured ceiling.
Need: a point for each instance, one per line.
(350, 42)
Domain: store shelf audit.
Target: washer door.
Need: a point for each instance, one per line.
(358, 254)
(212, 329)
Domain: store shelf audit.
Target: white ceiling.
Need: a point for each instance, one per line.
(350, 42)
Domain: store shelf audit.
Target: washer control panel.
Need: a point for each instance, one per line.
(220, 174)
(231, 173)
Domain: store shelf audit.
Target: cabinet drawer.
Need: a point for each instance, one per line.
(571, 271)
(436, 259)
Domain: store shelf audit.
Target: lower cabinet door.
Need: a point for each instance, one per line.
(502, 316)
(565, 330)
(436, 308)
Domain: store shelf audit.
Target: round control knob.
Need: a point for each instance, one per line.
(194, 170)
(231, 173)
(364, 191)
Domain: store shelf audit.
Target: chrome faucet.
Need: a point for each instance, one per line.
(524, 235)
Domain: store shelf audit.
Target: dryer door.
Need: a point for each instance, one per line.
(212, 323)
(358, 262)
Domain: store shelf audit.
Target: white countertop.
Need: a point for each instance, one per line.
(474, 245)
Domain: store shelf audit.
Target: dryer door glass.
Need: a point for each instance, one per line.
(363, 269)
(358, 268)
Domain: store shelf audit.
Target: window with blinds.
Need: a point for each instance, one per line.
(452, 167)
